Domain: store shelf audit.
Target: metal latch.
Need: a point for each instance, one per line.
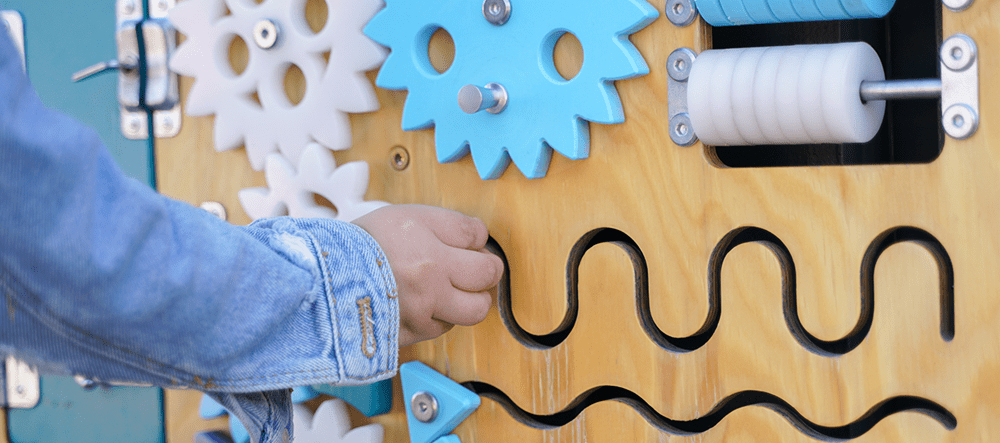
(23, 389)
(159, 94)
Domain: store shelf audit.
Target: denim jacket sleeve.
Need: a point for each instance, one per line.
(101, 276)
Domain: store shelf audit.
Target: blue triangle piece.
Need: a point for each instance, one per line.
(209, 408)
(303, 393)
(372, 399)
(454, 402)
(238, 431)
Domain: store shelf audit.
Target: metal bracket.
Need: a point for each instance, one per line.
(162, 97)
(678, 69)
(959, 86)
(23, 388)
(15, 25)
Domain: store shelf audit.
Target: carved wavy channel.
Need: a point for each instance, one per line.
(729, 404)
(730, 241)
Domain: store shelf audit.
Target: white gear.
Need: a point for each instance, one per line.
(331, 424)
(293, 193)
(333, 87)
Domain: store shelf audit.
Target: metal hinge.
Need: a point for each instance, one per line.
(23, 389)
(158, 39)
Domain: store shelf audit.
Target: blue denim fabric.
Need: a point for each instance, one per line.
(103, 277)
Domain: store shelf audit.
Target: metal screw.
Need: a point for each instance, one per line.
(216, 209)
(85, 382)
(958, 52)
(492, 98)
(20, 389)
(960, 121)
(399, 158)
(681, 131)
(957, 5)
(166, 124)
(679, 64)
(681, 12)
(265, 34)
(496, 12)
(128, 7)
(162, 5)
(424, 406)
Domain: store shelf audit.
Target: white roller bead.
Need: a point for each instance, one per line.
(722, 99)
(744, 112)
(784, 95)
(850, 120)
(764, 98)
(786, 89)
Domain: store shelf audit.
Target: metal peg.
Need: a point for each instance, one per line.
(424, 406)
(102, 67)
(496, 12)
(265, 34)
(900, 89)
(492, 98)
(957, 5)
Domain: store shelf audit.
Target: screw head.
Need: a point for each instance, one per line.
(679, 64)
(399, 158)
(681, 131)
(681, 12)
(216, 209)
(960, 121)
(265, 34)
(128, 7)
(957, 5)
(496, 12)
(958, 52)
(424, 406)
(84, 382)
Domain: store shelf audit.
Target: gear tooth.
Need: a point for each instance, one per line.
(378, 28)
(257, 203)
(629, 21)
(316, 161)
(451, 145)
(191, 16)
(623, 64)
(417, 113)
(352, 180)
(200, 101)
(393, 74)
(335, 132)
(184, 61)
(491, 160)
(228, 131)
(351, 93)
(358, 210)
(258, 148)
(573, 143)
(292, 143)
(532, 159)
(603, 105)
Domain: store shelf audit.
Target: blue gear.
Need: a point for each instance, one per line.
(544, 111)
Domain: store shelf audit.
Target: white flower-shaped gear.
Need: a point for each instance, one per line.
(292, 190)
(332, 61)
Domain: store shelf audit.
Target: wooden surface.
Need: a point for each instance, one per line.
(677, 208)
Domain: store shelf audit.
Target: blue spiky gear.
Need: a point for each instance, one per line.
(544, 111)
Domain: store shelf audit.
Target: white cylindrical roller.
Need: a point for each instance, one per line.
(784, 95)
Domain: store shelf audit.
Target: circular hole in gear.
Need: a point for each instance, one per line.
(295, 85)
(238, 54)
(567, 56)
(316, 14)
(441, 50)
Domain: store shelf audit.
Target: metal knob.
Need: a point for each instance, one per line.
(492, 98)
(424, 406)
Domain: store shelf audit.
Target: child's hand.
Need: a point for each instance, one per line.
(442, 272)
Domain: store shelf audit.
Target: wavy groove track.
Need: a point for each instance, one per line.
(733, 239)
(852, 430)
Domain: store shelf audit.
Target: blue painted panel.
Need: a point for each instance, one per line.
(67, 413)
(65, 36)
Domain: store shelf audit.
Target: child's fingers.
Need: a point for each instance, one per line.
(473, 271)
(463, 308)
(457, 230)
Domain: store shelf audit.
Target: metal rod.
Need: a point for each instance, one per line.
(924, 88)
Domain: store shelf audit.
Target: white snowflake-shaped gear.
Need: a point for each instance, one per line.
(544, 110)
(291, 191)
(331, 424)
(332, 61)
